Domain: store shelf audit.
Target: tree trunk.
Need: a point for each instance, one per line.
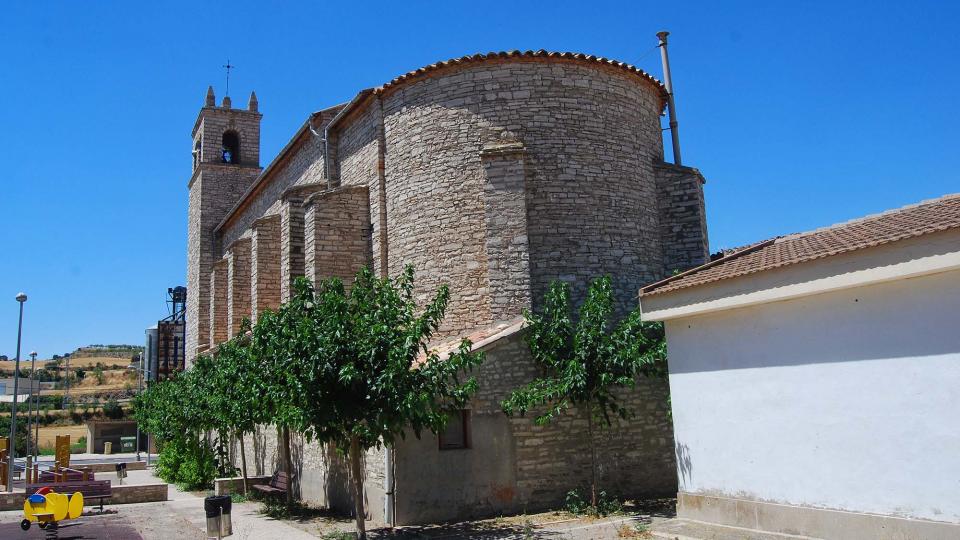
(287, 465)
(243, 463)
(357, 487)
(593, 459)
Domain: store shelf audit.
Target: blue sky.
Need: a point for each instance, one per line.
(800, 114)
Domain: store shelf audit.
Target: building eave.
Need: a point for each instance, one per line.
(906, 259)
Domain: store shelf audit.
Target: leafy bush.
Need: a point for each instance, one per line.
(98, 373)
(577, 504)
(188, 463)
(21, 438)
(80, 446)
(608, 504)
(112, 409)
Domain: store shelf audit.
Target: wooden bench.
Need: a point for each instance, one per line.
(68, 475)
(91, 489)
(278, 485)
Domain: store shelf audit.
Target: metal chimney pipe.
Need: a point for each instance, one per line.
(671, 107)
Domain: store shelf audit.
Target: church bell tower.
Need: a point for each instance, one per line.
(225, 162)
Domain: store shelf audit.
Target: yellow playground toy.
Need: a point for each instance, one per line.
(49, 507)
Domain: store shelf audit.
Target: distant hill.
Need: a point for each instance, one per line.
(110, 351)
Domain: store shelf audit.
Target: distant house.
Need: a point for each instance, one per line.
(815, 379)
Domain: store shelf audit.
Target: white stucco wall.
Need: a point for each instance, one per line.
(846, 400)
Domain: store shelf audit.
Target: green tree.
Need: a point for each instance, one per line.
(585, 362)
(177, 413)
(277, 348)
(362, 368)
(112, 409)
(238, 387)
(98, 373)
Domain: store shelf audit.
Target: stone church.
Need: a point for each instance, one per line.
(495, 174)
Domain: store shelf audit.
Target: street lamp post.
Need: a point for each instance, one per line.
(21, 298)
(139, 389)
(31, 417)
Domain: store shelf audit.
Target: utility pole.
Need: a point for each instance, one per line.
(32, 448)
(21, 298)
(139, 390)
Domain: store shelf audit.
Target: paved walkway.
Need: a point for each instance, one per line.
(182, 518)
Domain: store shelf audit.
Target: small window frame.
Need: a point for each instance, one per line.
(464, 442)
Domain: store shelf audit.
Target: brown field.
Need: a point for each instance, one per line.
(48, 435)
(88, 362)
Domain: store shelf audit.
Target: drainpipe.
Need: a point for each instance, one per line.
(390, 516)
(326, 147)
(671, 107)
(330, 125)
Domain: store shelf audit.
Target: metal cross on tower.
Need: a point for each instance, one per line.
(228, 67)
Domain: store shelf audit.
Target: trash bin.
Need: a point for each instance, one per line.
(108, 448)
(217, 508)
(226, 524)
(128, 444)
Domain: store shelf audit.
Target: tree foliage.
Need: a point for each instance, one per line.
(356, 368)
(348, 367)
(586, 360)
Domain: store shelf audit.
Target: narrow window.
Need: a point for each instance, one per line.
(457, 434)
(230, 149)
(196, 154)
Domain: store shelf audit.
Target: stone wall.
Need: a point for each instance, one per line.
(301, 164)
(238, 283)
(337, 233)
(219, 300)
(291, 243)
(683, 217)
(505, 217)
(211, 124)
(265, 265)
(515, 466)
(321, 473)
(214, 189)
(589, 135)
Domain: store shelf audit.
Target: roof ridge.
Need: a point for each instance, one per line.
(516, 53)
(868, 217)
(910, 221)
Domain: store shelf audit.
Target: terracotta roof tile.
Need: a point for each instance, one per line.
(870, 231)
(480, 338)
(540, 54)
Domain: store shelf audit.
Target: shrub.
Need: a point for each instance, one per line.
(112, 409)
(607, 505)
(577, 504)
(188, 463)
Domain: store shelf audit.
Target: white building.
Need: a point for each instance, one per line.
(815, 379)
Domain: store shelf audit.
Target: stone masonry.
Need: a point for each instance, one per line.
(219, 300)
(540, 464)
(337, 233)
(495, 175)
(238, 284)
(264, 266)
(682, 227)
